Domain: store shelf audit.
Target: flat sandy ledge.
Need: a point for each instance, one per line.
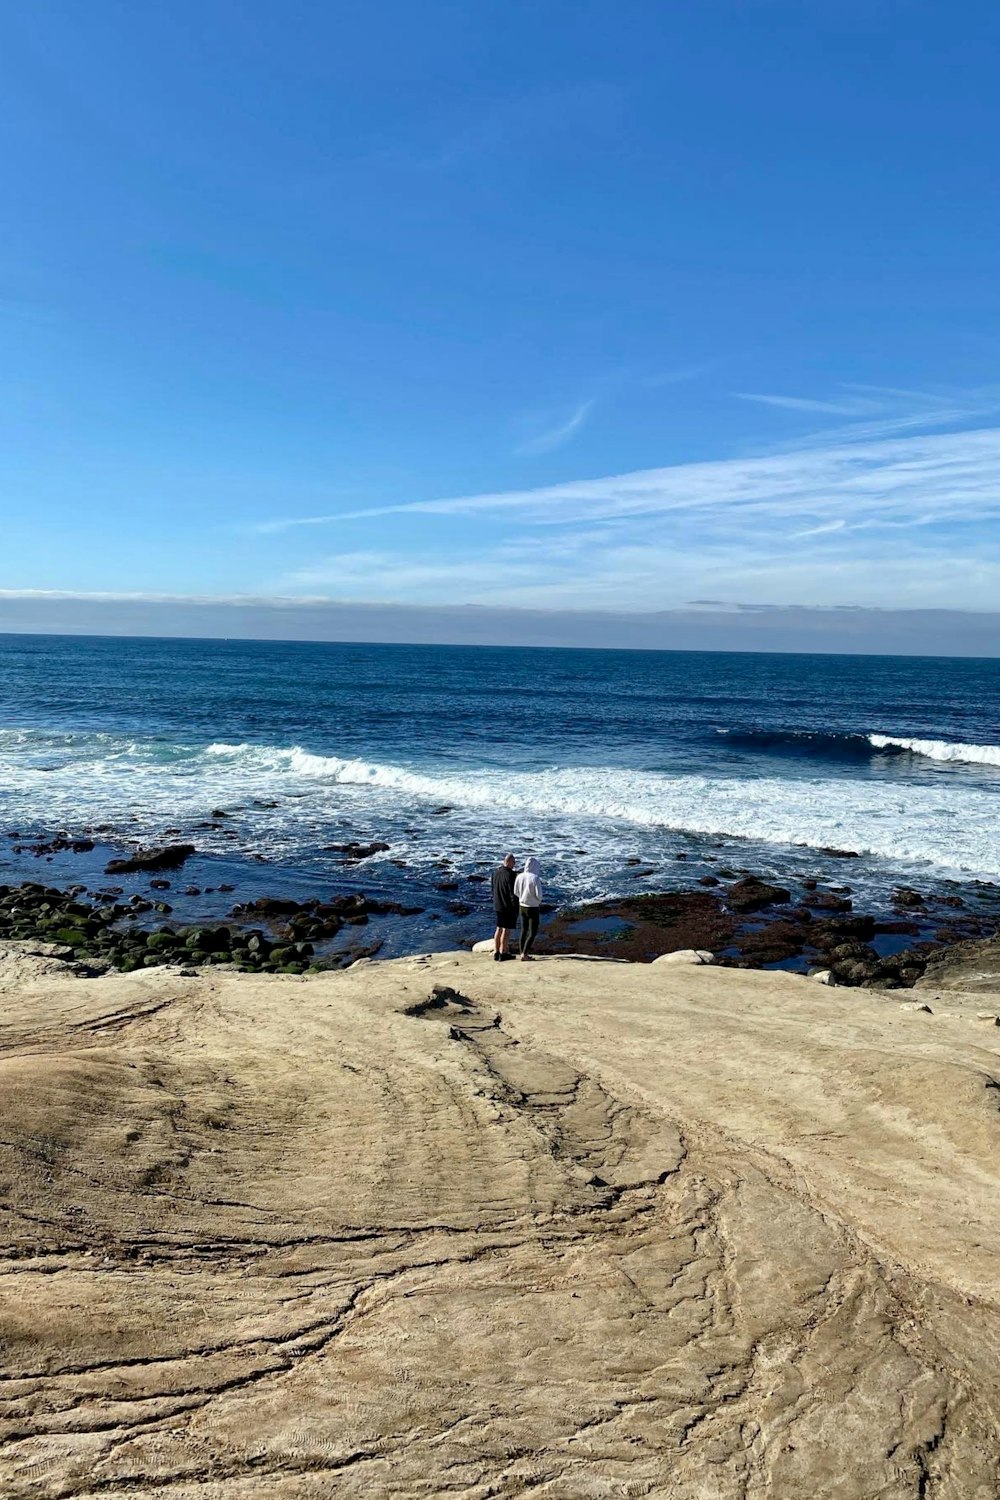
(444, 1227)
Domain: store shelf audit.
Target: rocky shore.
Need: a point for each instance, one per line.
(750, 923)
(443, 1227)
(744, 919)
(105, 933)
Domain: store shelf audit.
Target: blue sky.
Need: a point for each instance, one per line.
(619, 306)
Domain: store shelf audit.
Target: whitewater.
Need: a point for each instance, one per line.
(940, 750)
(286, 799)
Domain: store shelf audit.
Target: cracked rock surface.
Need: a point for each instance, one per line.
(438, 1227)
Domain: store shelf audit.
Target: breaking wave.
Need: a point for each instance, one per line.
(940, 750)
(853, 747)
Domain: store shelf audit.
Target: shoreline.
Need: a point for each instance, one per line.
(138, 908)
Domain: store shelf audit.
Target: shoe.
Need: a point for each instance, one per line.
(497, 957)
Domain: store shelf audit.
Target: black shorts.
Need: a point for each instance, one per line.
(507, 918)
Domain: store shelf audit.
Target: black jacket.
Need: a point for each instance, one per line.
(504, 899)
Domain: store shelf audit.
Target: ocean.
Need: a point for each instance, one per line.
(598, 762)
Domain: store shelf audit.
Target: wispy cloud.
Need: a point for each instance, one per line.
(881, 411)
(560, 435)
(383, 575)
(152, 596)
(958, 473)
(823, 530)
(891, 456)
(807, 404)
(656, 563)
(853, 517)
(290, 523)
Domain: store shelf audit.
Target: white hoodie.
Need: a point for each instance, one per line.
(527, 886)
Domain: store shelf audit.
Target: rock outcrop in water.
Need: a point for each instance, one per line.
(749, 922)
(170, 857)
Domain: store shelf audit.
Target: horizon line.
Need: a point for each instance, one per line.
(86, 635)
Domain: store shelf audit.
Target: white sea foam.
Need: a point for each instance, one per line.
(139, 785)
(942, 750)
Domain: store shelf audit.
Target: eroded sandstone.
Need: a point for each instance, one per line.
(436, 1227)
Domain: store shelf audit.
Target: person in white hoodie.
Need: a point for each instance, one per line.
(528, 890)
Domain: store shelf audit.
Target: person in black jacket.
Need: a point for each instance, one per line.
(505, 906)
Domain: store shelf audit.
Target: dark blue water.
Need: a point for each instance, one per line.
(586, 758)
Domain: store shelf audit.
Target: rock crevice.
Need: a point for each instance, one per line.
(421, 1229)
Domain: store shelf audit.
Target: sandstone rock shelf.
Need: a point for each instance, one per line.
(439, 1227)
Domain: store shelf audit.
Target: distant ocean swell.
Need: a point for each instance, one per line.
(133, 785)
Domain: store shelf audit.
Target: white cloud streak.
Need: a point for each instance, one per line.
(882, 411)
(804, 470)
(651, 574)
(955, 473)
(559, 436)
(387, 575)
(854, 517)
(139, 596)
(806, 404)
